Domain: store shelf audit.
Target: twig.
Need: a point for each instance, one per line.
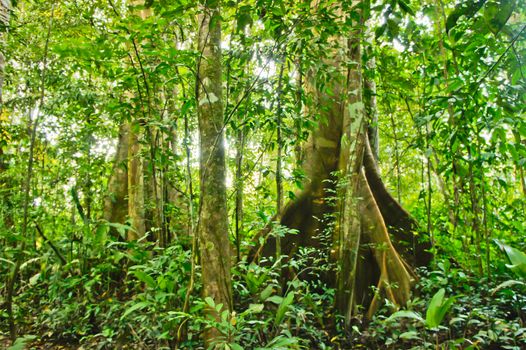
(500, 58)
(48, 241)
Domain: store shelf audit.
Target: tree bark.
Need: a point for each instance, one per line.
(213, 226)
(240, 141)
(136, 210)
(135, 185)
(116, 201)
(371, 109)
(279, 165)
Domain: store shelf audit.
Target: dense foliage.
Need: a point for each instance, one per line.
(451, 105)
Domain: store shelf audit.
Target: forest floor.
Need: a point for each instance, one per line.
(483, 314)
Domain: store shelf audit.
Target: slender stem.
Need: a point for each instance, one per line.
(27, 184)
(397, 155)
(279, 176)
(50, 243)
(239, 189)
(191, 230)
(429, 187)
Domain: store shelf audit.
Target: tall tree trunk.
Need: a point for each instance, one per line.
(475, 210)
(116, 201)
(87, 182)
(213, 226)
(135, 185)
(5, 185)
(368, 217)
(279, 165)
(518, 168)
(136, 210)
(6, 210)
(239, 181)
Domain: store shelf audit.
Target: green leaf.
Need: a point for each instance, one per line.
(210, 302)
(283, 307)
(186, 106)
(405, 314)
(437, 309)
(33, 280)
(20, 343)
(144, 277)
(7, 261)
(404, 6)
(454, 85)
(244, 18)
(411, 335)
(444, 308)
(432, 309)
(138, 306)
(256, 308)
(266, 292)
(380, 30)
(468, 9)
(516, 258)
(121, 228)
(276, 299)
(507, 284)
(497, 13)
(235, 346)
(101, 233)
(282, 343)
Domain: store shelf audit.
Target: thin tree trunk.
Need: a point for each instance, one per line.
(371, 109)
(298, 149)
(397, 156)
(239, 190)
(519, 168)
(213, 226)
(429, 187)
(475, 209)
(189, 182)
(136, 210)
(5, 191)
(279, 141)
(13, 277)
(485, 217)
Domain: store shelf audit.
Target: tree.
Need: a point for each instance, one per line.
(126, 185)
(213, 223)
(373, 238)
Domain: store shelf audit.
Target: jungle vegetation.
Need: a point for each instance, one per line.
(262, 174)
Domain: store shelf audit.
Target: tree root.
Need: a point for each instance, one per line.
(396, 279)
(402, 226)
(388, 249)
